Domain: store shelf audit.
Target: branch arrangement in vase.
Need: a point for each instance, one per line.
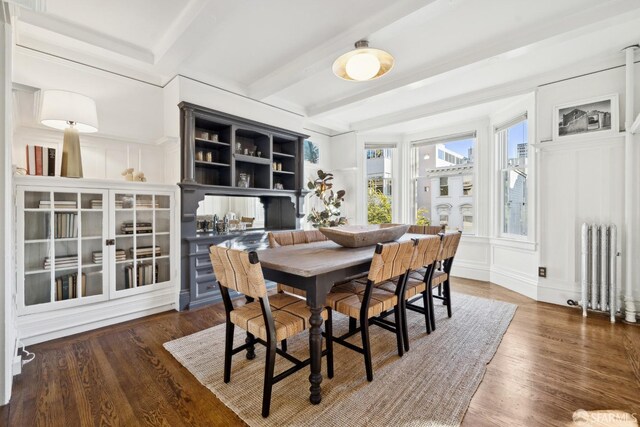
(322, 188)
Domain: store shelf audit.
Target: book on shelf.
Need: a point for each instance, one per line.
(145, 251)
(146, 205)
(97, 204)
(121, 255)
(140, 227)
(40, 160)
(66, 225)
(51, 162)
(67, 286)
(145, 274)
(61, 262)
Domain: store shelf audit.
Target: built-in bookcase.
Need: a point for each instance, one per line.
(79, 245)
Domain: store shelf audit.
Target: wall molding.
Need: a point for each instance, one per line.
(471, 270)
(513, 281)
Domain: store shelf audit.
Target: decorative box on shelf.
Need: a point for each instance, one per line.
(92, 252)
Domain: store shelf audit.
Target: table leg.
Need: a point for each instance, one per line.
(315, 350)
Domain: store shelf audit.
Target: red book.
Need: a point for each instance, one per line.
(38, 160)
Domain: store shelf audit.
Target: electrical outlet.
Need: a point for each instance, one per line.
(542, 271)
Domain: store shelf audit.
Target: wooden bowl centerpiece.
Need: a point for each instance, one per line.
(356, 236)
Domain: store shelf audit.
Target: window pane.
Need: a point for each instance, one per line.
(443, 183)
(444, 186)
(379, 172)
(517, 146)
(515, 201)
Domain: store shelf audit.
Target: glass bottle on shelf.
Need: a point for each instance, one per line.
(244, 180)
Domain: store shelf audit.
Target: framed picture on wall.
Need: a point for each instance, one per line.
(311, 152)
(595, 117)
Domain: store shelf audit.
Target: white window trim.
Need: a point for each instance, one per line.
(500, 140)
(395, 177)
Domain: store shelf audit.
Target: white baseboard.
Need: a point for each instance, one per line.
(524, 285)
(557, 293)
(36, 328)
(470, 270)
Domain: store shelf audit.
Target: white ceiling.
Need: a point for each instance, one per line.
(450, 54)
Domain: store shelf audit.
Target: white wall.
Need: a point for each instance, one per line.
(580, 181)
(130, 115)
(204, 95)
(310, 170)
(346, 163)
(8, 331)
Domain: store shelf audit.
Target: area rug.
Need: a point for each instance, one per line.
(431, 385)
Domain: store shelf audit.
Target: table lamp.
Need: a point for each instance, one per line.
(73, 113)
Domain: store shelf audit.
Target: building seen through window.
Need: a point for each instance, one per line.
(379, 164)
(443, 182)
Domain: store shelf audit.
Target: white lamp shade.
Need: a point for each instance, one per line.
(58, 107)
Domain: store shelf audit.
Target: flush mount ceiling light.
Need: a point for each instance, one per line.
(363, 63)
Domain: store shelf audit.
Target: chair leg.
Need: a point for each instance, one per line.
(447, 295)
(405, 329)
(268, 377)
(328, 327)
(364, 331)
(251, 350)
(352, 324)
(228, 348)
(398, 321)
(432, 315)
(440, 290)
(427, 311)
(283, 345)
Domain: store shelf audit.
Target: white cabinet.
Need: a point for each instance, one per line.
(92, 247)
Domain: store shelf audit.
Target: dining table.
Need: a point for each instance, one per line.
(315, 268)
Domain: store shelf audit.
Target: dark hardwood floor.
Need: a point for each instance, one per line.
(550, 363)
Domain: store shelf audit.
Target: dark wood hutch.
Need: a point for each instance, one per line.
(216, 149)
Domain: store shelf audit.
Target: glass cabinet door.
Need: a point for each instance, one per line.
(142, 228)
(63, 234)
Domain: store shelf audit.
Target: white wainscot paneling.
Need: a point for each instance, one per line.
(472, 259)
(584, 184)
(514, 266)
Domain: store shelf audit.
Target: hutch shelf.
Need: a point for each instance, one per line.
(226, 155)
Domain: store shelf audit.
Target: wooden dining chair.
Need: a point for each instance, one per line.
(267, 320)
(295, 237)
(426, 229)
(426, 251)
(438, 276)
(366, 301)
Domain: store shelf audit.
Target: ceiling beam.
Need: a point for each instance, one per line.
(178, 28)
(316, 59)
(483, 96)
(579, 22)
(87, 35)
